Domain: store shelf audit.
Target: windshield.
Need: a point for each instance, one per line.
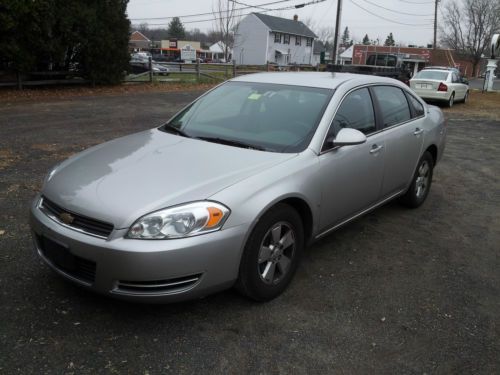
(432, 74)
(264, 116)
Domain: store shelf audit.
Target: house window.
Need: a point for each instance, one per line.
(286, 39)
(309, 42)
(298, 40)
(277, 38)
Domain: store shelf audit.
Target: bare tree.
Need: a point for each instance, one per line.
(468, 26)
(325, 34)
(226, 18)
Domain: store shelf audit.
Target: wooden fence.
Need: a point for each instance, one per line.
(152, 73)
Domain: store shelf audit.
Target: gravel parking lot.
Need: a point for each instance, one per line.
(397, 291)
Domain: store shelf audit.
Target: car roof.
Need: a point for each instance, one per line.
(325, 80)
(448, 68)
(437, 70)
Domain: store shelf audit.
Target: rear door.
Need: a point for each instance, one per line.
(403, 131)
(459, 87)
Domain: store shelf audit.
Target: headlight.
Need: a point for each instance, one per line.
(180, 221)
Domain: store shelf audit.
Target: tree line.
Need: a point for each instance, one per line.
(90, 37)
(175, 30)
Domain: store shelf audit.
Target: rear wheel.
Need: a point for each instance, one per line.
(466, 97)
(451, 100)
(421, 183)
(271, 254)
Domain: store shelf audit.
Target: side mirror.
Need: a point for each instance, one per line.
(348, 137)
(465, 80)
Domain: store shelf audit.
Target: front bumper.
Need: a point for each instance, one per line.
(153, 271)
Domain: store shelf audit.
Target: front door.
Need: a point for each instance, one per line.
(351, 175)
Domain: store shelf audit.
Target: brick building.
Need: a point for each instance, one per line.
(415, 58)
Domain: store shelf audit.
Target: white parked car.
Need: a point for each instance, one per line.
(440, 84)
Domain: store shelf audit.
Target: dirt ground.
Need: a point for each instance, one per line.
(484, 105)
(397, 291)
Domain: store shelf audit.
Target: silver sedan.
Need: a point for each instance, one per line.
(231, 189)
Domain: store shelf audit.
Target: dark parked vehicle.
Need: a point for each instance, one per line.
(382, 65)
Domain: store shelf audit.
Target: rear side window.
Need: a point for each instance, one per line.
(418, 108)
(432, 74)
(393, 105)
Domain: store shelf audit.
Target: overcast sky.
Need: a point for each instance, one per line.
(410, 21)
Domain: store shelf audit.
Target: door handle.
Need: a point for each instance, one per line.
(376, 149)
(418, 131)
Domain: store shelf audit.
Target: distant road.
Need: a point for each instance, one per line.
(477, 83)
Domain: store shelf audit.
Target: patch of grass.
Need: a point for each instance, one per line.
(484, 105)
(9, 95)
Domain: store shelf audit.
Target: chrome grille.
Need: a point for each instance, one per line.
(82, 223)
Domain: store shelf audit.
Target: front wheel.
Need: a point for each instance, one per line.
(421, 182)
(271, 254)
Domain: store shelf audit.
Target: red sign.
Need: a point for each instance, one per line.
(172, 43)
(358, 53)
(426, 53)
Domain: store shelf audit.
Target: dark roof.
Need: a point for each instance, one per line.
(318, 47)
(284, 25)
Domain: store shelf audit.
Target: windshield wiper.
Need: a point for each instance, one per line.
(172, 129)
(231, 142)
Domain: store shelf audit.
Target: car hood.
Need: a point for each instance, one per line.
(122, 180)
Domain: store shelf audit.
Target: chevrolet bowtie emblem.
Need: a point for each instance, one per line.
(66, 218)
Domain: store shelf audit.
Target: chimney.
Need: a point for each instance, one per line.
(295, 17)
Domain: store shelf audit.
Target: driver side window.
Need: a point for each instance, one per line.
(355, 112)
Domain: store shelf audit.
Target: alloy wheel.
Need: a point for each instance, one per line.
(276, 253)
(422, 182)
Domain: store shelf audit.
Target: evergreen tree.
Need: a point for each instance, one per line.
(389, 41)
(103, 51)
(91, 36)
(345, 37)
(176, 29)
(366, 40)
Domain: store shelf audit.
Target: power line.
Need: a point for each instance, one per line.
(208, 13)
(244, 14)
(396, 11)
(249, 5)
(417, 2)
(296, 6)
(388, 19)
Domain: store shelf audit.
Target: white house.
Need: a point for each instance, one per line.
(217, 50)
(346, 56)
(261, 38)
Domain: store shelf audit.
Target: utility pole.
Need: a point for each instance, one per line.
(337, 28)
(436, 2)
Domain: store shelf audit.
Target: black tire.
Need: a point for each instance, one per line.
(253, 280)
(422, 178)
(466, 97)
(451, 101)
